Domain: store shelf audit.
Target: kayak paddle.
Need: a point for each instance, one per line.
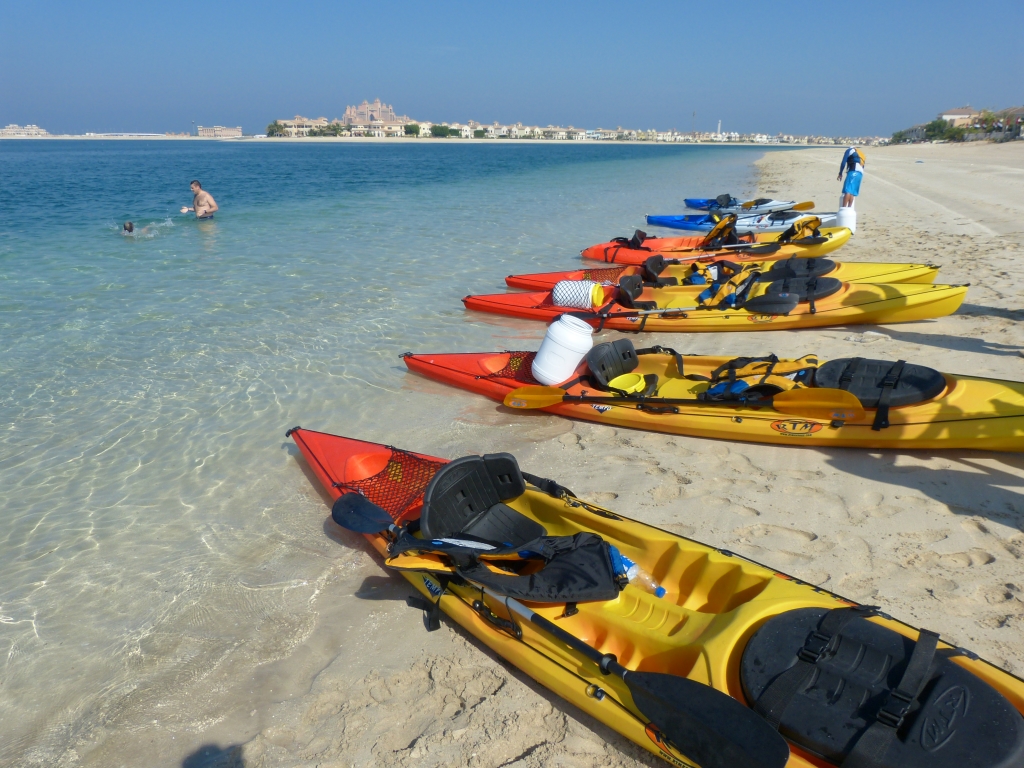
(798, 207)
(809, 403)
(702, 722)
(754, 248)
(766, 304)
(355, 512)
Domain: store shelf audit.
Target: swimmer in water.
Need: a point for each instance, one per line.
(202, 202)
(129, 230)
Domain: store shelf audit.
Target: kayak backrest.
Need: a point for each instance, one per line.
(866, 380)
(806, 227)
(722, 233)
(830, 689)
(724, 201)
(466, 497)
(610, 360)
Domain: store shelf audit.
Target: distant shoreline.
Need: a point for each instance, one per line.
(410, 140)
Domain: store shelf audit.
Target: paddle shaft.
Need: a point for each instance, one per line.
(606, 661)
(699, 720)
(665, 401)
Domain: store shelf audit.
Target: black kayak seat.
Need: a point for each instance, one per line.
(808, 289)
(794, 267)
(956, 720)
(611, 359)
(866, 379)
(467, 496)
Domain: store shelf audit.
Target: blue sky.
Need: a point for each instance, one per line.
(831, 68)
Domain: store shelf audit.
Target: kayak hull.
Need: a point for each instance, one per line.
(710, 203)
(745, 223)
(850, 272)
(854, 304)
(972, 413)
(715, 600)
(686, 247)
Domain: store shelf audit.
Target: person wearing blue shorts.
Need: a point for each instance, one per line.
(853, 163)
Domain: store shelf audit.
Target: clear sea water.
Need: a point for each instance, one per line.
(158, 541)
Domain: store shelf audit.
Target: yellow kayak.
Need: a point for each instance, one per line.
(924, 408)
(748, 306)
(833, 677)
(845, 271)
(624, 251)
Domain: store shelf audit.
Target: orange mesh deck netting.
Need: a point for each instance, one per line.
(398, 486)
(610, 275)
(519, 368)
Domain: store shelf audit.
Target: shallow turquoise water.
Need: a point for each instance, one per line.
(155, 530)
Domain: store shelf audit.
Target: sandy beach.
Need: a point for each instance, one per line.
(936, 539)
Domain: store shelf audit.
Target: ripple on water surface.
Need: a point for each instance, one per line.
(159, 539)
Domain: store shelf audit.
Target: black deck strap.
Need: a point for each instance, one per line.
(811, 287)
(870, 749)
(601, 315)
(550, 487)
(777, 696)
(846, 377)
(770, 369)
(431, 609)
(892, 378)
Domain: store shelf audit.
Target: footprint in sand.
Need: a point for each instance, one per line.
(761, 530)
(966, 559)
(599, 497)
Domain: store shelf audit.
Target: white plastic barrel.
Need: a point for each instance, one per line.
(565, 345)
(847, 217)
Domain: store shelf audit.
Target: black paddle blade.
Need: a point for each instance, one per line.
(355, 512)
(705, 724)
(778, 304)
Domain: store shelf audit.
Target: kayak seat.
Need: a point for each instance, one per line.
(797, 268)
(651, 270)
(807, 289)
(867, 380)
(630, 288)
(466, 497)
(827, 680)
(634, 243)
(610, 359)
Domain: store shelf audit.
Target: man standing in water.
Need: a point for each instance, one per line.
(202, 202)
(853, 164)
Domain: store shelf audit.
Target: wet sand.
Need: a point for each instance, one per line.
(935, 538)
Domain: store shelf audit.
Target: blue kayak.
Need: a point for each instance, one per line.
(730, 204)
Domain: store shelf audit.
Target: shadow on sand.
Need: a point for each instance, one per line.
(981, 483)
(213, 756)
(942, 341)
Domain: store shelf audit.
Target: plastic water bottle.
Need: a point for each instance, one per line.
(636, 575)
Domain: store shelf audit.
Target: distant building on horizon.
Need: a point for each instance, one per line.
(369, 113)
(301, 126)
(28, 131)
(960, 116)
(220, 132)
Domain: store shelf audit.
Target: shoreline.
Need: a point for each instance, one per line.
(407, 140)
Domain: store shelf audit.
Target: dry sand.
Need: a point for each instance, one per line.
(935, 538)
